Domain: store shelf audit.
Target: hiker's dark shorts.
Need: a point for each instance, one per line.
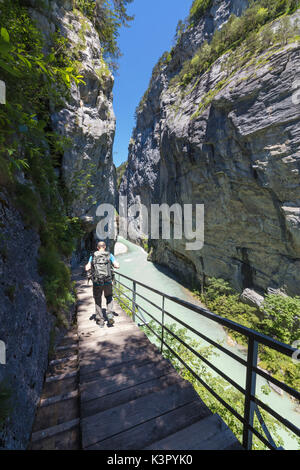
(98, 290)
(97, 293)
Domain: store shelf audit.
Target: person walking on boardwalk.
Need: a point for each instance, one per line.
(100, 265)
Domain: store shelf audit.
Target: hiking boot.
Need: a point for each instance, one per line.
(110, 320)
(101, 323)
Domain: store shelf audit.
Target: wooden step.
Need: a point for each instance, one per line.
(111, 361)
(69, 340)
(120, 397)
(53, 430)
(66, 440)
(210, 433)
(64, 354)
(90, 364)
(125, 378)
(95, 329)
(125, 370)
(127, 343)
(59, 377)
(140, 436)
(130, 396)
(103, 425)
(57, 410)
(56, 424)
(60, 384)
(62, 360)
(67, 347)
(58, 398)
(63, 368)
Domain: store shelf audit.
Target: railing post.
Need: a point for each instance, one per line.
(249, 409)
(117, 286)
(133, 300)
(163, 323)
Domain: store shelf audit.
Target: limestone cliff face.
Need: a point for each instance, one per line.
(230, 141)
(87, 119)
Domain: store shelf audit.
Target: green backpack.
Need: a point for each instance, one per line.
(101, 267)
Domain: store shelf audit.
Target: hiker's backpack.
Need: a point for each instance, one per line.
(101, 267)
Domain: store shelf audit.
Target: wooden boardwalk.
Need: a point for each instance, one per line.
(127, 395)
(131, 397)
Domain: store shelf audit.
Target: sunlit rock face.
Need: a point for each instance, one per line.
(239, 156)
(87, 119)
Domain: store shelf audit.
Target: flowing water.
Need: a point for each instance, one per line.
(134, 264)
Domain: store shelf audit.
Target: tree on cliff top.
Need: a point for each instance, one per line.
(107, 16)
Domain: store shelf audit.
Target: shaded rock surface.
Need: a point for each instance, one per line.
(239, 156)
(25, 324)
(87, 119)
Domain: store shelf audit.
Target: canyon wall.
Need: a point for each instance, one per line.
(87, 119)
(228, 140)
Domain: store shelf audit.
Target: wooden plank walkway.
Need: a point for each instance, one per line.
(111, 389)
(131, 397)
(57, 420)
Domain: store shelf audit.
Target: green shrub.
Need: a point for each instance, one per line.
(145, 244)
(281, 322)
(27, 202)
(58, 239)
(6, 175)
(56, 280)
(120, 172)
(9, 291)
(34, 79)
(230, 307)
(236, 31)
(280, 366)
(281, 318)
(215, 288)
(198, 8)
(221, 299)
(107, 16)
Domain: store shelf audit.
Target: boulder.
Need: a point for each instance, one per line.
(251, 297)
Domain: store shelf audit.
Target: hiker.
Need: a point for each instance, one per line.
(100, 266)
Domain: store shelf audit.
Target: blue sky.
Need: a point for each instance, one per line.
(150, 34)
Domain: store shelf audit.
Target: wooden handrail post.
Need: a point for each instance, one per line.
(249, 409)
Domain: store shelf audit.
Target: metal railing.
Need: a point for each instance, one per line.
(251, 402)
